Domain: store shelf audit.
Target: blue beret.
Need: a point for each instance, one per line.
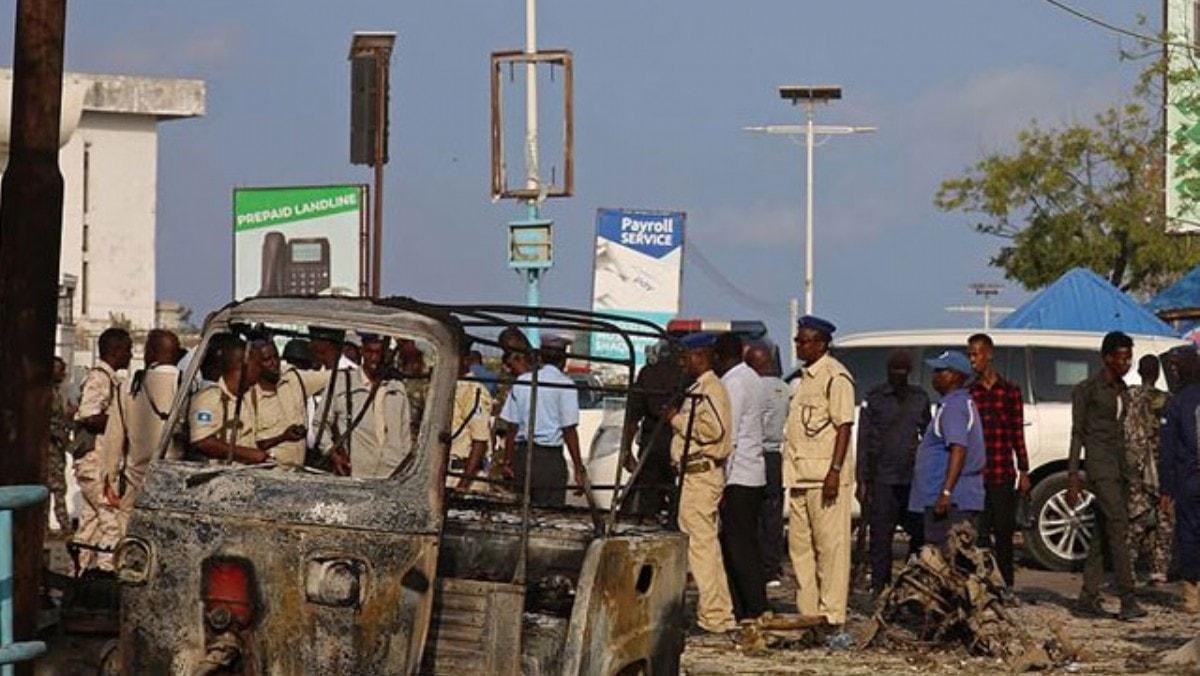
(699, 339)
(365, 337)
(811, 322)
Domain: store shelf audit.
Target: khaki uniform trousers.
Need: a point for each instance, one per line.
(698, 502)
(98, 522)
(819, 546)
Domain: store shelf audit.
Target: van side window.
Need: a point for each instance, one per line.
(1010, 363)
(1057, 370)
(868, 365)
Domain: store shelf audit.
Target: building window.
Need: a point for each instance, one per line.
(1196, 28)
(87, 176)
(83, 290)
(66, 300)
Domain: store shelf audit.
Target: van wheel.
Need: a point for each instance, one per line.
(1060, 534)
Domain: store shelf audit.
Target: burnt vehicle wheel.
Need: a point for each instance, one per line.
(1061, 534)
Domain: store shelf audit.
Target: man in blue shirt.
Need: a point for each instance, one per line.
(556, 422)
(948, 476)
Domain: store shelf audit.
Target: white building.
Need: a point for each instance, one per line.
(109, 163)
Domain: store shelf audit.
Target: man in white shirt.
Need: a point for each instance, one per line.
(776, 397)
(745, 482)
(556, 422)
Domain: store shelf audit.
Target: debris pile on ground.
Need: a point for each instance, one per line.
(954, 595)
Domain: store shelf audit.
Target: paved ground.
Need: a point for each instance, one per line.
(1113, 647)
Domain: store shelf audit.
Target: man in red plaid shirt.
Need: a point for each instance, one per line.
(1002, 412)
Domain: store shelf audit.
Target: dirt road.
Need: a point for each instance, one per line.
(1112, 647)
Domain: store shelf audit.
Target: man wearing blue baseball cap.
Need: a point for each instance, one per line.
(818, 472)
(948, 476)
(702, 442)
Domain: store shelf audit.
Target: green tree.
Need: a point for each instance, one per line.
(1080, 195)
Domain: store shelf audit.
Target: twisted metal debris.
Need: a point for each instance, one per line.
(953, 595)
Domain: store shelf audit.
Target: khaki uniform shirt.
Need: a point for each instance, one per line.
(383, 436)
(823, 400)
(135, 427)
(212, 412)
(287, 405)
(472, 409)
(99, 388)
(712, 434)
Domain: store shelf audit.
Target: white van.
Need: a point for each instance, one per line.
(1046, 365)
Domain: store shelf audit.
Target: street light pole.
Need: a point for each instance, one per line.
(810, 96)
(808, 212)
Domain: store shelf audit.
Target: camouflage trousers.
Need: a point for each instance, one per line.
(56, 481)
(1150, 530)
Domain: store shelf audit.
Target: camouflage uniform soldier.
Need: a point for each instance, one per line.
(60, 440)
(1149, 527)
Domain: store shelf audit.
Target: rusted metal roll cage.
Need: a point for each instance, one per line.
(475, 321)
(479, 324)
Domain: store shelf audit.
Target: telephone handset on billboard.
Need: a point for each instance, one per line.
(294, 267)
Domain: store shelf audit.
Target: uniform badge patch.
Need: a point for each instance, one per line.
(204, 416)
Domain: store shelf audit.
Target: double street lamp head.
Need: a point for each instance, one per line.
(810, 93)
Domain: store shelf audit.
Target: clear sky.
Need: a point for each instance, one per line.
(662, 90)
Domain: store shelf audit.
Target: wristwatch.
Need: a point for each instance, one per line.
(946, 492)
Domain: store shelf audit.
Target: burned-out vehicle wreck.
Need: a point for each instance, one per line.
(313, 568)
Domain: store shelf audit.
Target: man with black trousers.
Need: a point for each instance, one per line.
(745, 482)
(1002, 412)
(893, 417)
(658, 387)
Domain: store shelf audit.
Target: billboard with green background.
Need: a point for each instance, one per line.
(297, 240)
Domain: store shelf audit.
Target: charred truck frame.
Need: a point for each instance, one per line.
(254, 569)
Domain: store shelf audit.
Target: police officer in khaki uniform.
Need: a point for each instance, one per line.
(469, 429)
(221, 426)
(701, 444)
(136, 422)
(98, 526)
(280, 402)
(820, 474)
(369, 429)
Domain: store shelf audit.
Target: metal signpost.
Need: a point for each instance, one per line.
(530, 240)
(370, 91)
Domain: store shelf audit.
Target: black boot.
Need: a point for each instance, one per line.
(1130, 610)
(1089, 605)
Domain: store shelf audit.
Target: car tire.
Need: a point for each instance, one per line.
(1059, 536)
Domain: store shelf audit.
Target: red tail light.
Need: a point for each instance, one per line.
(229, 589)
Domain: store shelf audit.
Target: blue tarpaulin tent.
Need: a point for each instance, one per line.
(1181, 296)
(1081, 300)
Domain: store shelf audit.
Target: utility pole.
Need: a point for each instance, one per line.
(31, 207)
(810, 96)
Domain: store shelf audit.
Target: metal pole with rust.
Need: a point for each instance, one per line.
(382, 58)
(31, 207)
